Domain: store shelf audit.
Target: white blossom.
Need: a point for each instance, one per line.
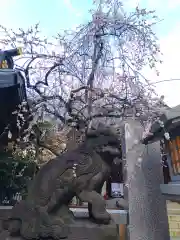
(167, 136)
(9, 135)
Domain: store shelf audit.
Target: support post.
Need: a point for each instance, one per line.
(147, 207)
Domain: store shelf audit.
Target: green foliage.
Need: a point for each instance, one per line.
(15, 174)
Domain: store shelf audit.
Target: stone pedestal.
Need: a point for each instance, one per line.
(83, 229)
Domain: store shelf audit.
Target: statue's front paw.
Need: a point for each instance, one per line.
(60, 232)
(14, 227)
(102, 218)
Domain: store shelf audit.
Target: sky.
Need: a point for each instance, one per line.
(55, 15)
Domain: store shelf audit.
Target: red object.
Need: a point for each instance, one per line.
(105, 196)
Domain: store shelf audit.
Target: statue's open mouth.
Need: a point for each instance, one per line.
(111, 149)
(112, 154)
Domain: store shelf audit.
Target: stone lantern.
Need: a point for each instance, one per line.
(12, 92)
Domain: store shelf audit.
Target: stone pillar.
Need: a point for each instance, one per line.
(147, 207)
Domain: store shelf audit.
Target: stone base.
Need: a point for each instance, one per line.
(82, 229)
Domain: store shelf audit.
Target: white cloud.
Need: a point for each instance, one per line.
(170, 46)
(131, 3)
(173, 3)
(170, 69)
(71, 8)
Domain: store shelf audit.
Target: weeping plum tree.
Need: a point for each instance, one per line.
(89, 74)
(93, 71)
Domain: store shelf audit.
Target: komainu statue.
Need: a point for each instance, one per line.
(80, 172)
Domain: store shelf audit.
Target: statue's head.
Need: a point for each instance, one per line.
(106, 141)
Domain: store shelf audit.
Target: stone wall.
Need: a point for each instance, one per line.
(174, 219)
